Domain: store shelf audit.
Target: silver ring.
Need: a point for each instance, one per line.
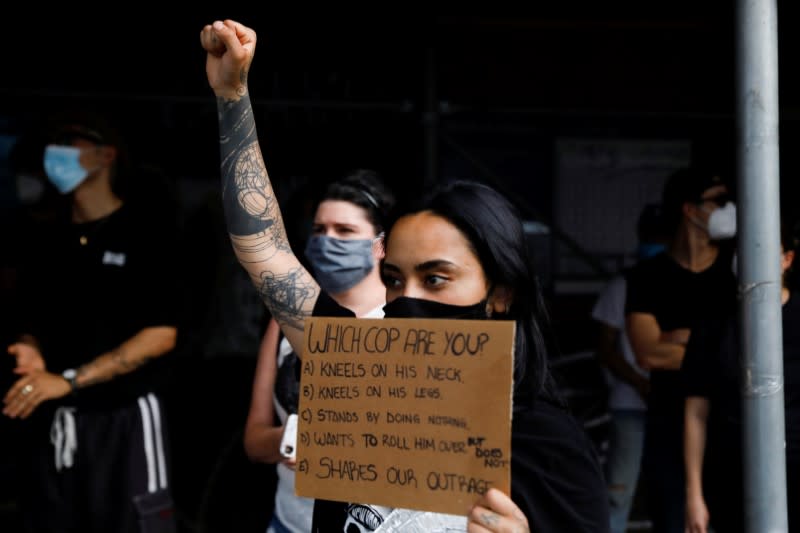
(27, 389)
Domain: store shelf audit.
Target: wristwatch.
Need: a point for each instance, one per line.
(71, 375)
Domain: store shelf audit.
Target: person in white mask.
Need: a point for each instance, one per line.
(713, 384)
(667, 295)
(720, 222)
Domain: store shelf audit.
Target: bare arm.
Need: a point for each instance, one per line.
(694, 447)
(37, 385)
(649, 344)
(261, 437)
(252, 215)
(148, 344)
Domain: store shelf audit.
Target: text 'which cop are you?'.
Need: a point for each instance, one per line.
(393, 410)
(361, 380)
(377, 339)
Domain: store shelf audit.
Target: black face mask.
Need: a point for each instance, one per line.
(405, 307)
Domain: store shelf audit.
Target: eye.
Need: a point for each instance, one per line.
(391, 282)
(317, 229)
(435, 280)
(344, 232)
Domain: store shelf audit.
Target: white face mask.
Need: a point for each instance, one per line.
(722, 222)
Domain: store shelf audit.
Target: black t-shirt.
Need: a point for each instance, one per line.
(712, 369)
(556, 478)
(89, 287)
(677, 298)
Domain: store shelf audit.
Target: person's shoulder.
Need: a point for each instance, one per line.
(39, 238)
(153, 224)
(546, 420)
(613, 291)
(616, 283)
(327, 306)
(552, 456)
(792, 306)
(644, 268)
(660, 260)
(136, 209)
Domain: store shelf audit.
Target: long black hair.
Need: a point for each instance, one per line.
(493, 228)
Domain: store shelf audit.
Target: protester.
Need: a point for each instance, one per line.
(461, 254)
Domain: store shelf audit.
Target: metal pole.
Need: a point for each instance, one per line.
(759, 270)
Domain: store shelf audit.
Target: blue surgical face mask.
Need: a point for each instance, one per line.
(63, 167)
(339, 264)
(649, 249)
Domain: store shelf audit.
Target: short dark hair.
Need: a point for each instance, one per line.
(790, 234)
(650, 227)
(366, 189)
(790, 241)
(686, 185)
(64, 127)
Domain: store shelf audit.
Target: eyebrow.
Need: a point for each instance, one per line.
(427, 265)
(335, 225)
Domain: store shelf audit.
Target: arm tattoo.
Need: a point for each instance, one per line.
(110, 366)
(286, 296)
(247, 195)
(125, 366)
(253, 216)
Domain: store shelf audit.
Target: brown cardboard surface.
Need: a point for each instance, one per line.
(412, 413)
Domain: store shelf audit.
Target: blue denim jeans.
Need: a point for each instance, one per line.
(623, 460)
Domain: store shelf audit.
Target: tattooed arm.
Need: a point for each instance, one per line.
(148, 344)
(252, 215)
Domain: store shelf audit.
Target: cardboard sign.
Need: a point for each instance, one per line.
(411, 413)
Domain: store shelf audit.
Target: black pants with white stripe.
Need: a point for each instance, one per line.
(103, 471)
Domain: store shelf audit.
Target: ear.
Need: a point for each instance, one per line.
(500, 300)
(688, 209)
(379, 247)
(107, 154)
(787, 258)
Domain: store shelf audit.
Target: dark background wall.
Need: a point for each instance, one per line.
(333, 90)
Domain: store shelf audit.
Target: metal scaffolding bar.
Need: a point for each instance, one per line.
(759, 270)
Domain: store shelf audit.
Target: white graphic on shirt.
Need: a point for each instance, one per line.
(364, 518)
(111, 258)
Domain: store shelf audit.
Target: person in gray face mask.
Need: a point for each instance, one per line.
(344, 251)
(347, 234)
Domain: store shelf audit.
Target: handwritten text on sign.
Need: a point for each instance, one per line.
(411, 413)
